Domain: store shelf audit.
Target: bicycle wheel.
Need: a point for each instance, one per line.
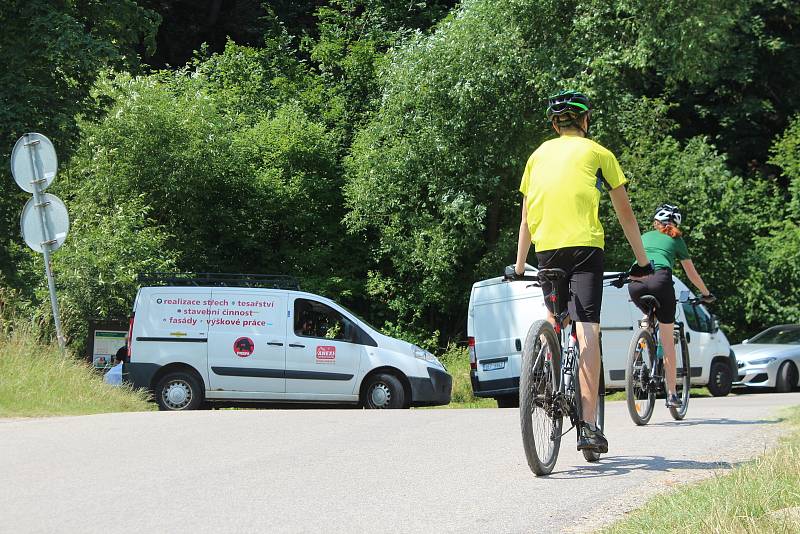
(683, 379)
(593, 456)
(540, 418)
(641, 356)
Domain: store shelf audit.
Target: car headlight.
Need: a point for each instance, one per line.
(763, 361)
(423, 354)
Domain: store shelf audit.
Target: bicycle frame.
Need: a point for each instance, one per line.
(657, 380)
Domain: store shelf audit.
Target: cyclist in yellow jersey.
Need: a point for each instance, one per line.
(561, 189)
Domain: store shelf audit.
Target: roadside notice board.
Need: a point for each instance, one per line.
(105, 339)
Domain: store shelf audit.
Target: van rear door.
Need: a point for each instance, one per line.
(618, 317)
(502, 313)
(247, 340)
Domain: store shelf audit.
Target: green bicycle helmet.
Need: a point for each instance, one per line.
(568, 102)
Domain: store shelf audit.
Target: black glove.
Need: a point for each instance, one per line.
(708, 299)
(511, 273)
(620, 282)
(638, 271)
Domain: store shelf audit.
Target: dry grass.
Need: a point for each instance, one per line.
(745, 500)
(35, 380)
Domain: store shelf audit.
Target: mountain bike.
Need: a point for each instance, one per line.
(644, 372)
(549, 388)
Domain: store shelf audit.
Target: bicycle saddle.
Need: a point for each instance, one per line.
(552, 275)
(650, 302)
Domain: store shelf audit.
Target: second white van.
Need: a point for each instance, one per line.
(501, 312)
(196, 340)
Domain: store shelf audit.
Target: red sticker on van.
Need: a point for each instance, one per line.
(326, 354)
(243, 347)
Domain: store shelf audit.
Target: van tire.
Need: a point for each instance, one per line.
(384, 392)
(786, 379)
(178, 391)
(720, 379)
(509, 401)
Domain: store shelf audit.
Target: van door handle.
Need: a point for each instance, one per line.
(688, 337)
(296, 345)
(275, 343)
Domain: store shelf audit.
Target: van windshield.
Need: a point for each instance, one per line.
(357, 316)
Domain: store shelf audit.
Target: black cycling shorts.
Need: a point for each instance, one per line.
(584, 268)
(660, 286)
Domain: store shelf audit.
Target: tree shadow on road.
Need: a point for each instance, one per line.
(622, 465)
(719, 421)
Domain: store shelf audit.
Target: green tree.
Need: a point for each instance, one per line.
(773, 295)
(432, 178)
(201, 187)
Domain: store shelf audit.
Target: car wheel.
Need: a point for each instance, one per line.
(720, 379)
(178, 391)
(787, 378)
(384, 391)
(509, 401)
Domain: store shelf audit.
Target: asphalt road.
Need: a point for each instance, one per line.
(352, 470)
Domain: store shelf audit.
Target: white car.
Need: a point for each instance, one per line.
(770, 359)
(219, 339)
(500, 314)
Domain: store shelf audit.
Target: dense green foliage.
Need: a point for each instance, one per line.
(374, 148)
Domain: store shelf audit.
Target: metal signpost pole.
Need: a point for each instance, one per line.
(40, 204)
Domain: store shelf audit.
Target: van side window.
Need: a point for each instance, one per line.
(315, 319)
(698, 318)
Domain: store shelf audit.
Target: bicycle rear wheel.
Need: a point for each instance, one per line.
(641, 356)
(683, 379)
(540, 418)
(593, 456)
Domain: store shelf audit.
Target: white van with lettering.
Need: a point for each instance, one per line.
(200, 340)
(500, 314)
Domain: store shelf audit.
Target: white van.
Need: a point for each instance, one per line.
(500, 314)
(217, 338)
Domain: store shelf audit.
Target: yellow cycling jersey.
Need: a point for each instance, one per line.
(562, 184)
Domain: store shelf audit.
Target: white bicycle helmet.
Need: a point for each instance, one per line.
(668, 214)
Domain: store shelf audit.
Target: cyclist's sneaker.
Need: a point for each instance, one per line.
(673, 401)
(591, 438)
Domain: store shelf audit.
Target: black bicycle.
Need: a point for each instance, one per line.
(549, 388)
(644, 372)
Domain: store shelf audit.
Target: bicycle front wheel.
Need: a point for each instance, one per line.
(540, 418)
(640, 396)
(683, 379)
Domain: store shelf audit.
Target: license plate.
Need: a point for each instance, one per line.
(493, 366)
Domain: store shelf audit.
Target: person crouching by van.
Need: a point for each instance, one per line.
(114, 375)
(663, 246)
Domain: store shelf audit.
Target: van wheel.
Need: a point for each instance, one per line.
(720, 380)
(787, 378)
(384, 391)
(178, 391)
(508, 401)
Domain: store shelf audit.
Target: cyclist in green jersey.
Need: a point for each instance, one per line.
(664, 245)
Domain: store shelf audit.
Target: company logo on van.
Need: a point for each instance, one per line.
(243, 347)
(326, 354)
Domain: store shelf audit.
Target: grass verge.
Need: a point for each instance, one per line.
(751, 498)
(35, 380)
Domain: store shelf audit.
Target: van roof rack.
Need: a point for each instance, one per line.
(273, 281)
